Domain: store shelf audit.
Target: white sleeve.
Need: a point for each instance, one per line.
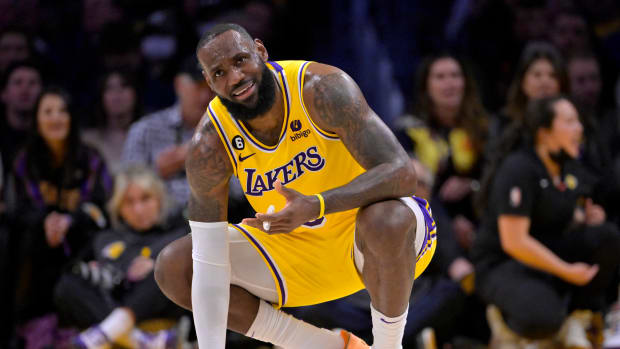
(210, 282)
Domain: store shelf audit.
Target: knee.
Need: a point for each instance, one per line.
(535, 324)
(386, 226)
(173, 271)
(161, 264)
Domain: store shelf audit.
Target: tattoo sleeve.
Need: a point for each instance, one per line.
(337, 105)
(208, 171)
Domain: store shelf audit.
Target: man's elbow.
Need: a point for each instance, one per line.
(407, 177)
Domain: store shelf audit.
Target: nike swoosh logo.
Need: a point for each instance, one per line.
(243, 158)
(389, 322)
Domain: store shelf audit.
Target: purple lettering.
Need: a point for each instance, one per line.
(299, 162)
(248, 185)
(272, 176)
(287, 171)
(259, 185)
(313, 153)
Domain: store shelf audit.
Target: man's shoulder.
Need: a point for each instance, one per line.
(318, 69)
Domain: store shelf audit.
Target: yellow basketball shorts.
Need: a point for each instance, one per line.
(311, 266)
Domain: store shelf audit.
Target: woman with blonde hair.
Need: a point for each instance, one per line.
(117, 290)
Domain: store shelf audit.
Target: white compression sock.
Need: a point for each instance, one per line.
(276, 327)
(119, 322)
(387, 332)
(210, 282)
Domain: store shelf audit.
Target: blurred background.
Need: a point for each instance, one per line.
(99, 98)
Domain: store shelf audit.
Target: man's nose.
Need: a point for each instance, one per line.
(235, 76)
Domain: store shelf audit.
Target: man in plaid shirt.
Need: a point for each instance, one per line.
(159, 140)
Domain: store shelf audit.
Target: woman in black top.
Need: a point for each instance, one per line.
(447, 134)
(540, 73)
(544, 248)
(56, 206)
(117, 290)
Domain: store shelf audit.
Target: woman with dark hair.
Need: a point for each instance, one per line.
(540, 73)
(544, 249)
(60, 188)
(448, 134)
(118, 107)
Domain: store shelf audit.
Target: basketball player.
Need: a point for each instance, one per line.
(299, 136)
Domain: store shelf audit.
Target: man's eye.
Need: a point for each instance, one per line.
(218, 73)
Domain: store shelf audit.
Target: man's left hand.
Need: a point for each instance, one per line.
(298, 210)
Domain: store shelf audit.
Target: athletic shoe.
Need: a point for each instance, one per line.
(93, 337)
(596, 330)
(612, 332)
(573, 333)
(351, 341)
(426, 339)
(174, 338)
(502, 337)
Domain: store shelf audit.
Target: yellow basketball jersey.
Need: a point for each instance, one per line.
(306, 158)
(309, 160)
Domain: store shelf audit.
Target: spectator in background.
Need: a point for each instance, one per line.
(530, 20)
(448, 134)
(160, 140)
(160, 48)
(601, 128)
(569, 32)
(60, 187)
(118, 107)
(584, 75)
(6, 327)
(585, 90)
(21, 85)
(540, 73)
(117, 290)
(544, 249)
(603, 16)
(14, 46)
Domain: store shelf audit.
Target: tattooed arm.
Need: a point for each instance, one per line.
(208, 171)
(336, 104)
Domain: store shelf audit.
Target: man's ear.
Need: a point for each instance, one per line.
(261, 50)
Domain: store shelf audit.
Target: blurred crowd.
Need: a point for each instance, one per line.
(510, 110)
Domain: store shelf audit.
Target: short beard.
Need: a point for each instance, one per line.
(266, 98)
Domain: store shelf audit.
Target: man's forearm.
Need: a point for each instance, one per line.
(386, 181)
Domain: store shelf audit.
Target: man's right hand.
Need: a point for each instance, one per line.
(579, 274)
(171, 160)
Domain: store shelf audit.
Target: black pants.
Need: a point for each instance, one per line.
(81, 304)
(534, 304)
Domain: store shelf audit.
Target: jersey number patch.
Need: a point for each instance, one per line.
(238, 143)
